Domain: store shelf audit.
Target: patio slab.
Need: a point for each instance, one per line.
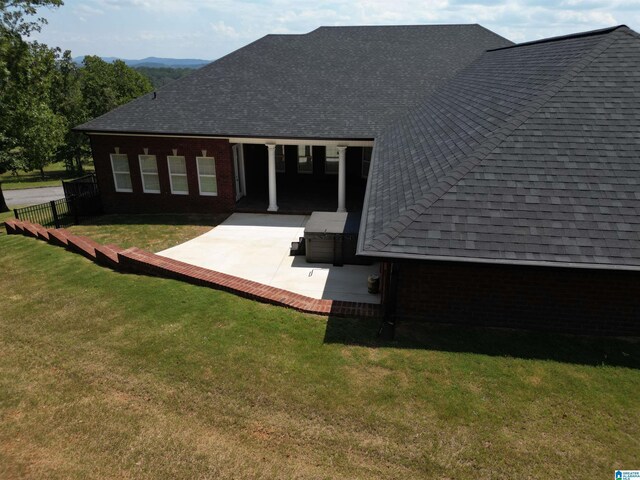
(256, 247)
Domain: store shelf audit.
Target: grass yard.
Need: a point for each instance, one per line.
(54, 174)
(109, 375)
(150, 232)
(5, 216)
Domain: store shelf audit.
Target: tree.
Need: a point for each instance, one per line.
(16, 15)
(43, 134)
(106, 86)
(26, 116)
(20, 77)
(5, 166)
(67, 97)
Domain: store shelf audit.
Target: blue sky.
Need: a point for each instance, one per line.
(209, 29)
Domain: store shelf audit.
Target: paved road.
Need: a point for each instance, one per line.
(32, 196)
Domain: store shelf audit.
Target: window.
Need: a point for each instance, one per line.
(207, 175)
(331, 160)
(280, 164)
(178, 175)
(366, 161)
(305, 159)
(121, 172)
(149, 172)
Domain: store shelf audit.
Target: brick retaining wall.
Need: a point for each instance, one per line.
(139, 261)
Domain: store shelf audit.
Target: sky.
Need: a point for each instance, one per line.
(209, 29)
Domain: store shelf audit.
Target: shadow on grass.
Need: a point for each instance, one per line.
(158, 219)
(580, 350)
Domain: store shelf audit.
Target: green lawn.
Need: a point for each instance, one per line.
(54, 174)
(109, 375)
(149, 232)
(5, 216)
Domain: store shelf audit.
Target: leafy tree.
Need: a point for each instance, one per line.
(23, 80)
(106, 86)
(43, 134)
(68, 99)
(6, 165)
(159, 76)
(26, 116)
(44, 93)
(16, 16)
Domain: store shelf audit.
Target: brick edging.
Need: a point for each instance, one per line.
(136, 260)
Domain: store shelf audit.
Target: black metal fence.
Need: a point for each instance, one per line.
(83, 186)
(56, 213)
(81, 202)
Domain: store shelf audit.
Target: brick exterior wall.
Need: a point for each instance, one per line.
(581, 301)
(139, 202)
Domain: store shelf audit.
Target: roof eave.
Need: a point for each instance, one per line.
(496, 261)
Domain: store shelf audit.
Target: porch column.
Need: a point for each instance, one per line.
(342, 181)
(273, 201)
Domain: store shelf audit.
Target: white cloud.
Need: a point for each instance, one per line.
(212, 28)
(224, 30)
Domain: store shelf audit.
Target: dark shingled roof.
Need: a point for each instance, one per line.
(529, 155)
(334, 82)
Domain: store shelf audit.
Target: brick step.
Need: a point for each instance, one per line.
(59, 237)
(10, 227)
(30, 229)
(82, 245)
(19, 226)
(107, 255)
(42, 233)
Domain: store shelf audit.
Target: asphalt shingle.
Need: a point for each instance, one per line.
(531, 154)
(334, 82)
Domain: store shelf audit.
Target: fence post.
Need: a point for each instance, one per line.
(15, 212)
(74, 206)
(56, 220)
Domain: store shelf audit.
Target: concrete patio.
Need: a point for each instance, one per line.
(256, 247)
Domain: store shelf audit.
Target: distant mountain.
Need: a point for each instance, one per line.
(156, 62)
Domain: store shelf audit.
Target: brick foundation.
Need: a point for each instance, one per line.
(580, 301)
(138, 201)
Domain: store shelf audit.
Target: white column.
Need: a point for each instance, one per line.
(273, 198)
(342, 181)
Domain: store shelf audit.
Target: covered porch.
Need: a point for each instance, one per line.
(300, 176)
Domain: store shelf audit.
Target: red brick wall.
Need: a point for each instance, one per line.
(139, 202)
(579, 301)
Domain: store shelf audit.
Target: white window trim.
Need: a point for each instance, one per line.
(207, 194)
(113, 171)
(310, 156)
(171, 175)
(335, 162)
(142, 174)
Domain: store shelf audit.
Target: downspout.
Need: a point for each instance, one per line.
(390, 271)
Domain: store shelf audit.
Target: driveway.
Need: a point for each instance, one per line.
(256, 247)
(32, 196)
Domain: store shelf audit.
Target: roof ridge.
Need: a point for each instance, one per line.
(590, 33)
(476, 157)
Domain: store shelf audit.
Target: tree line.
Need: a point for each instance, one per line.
(44, 93)
(160, 76)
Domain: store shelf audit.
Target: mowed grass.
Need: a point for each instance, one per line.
(109, 375)
(150, 232)
(54, 173)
